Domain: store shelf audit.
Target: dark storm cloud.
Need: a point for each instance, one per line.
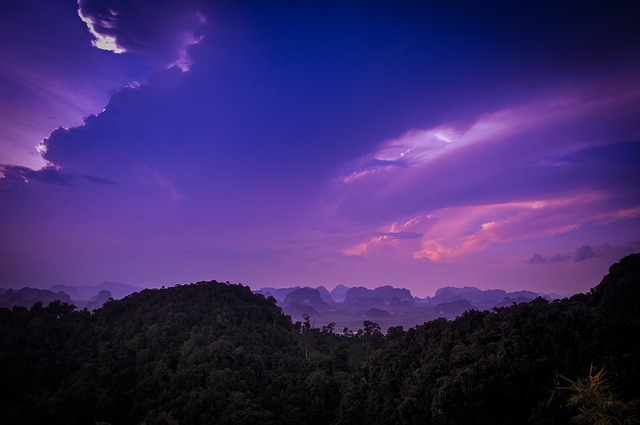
(161, 30)
(50, 75)
(48, 175)
(136, 121)
(17, 175)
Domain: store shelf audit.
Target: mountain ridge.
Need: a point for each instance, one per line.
(212, 352)
(400, 307)
(397, 306)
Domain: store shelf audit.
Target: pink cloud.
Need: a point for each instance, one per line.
(458, 231)
(394, 235)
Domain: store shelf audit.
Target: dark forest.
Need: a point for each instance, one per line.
(215, 352)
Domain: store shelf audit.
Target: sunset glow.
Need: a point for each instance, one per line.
(276, 144)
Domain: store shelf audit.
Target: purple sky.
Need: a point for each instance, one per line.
(319, 143)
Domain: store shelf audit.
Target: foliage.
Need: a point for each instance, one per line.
(213, 352)
(596, 403)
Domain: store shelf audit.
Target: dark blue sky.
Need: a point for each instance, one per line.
(280, 143)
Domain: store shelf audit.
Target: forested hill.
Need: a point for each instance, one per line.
(216, 353)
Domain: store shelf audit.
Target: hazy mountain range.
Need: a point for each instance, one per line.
(386, 305)
(86, 296)
(346, 307)
(213, 352)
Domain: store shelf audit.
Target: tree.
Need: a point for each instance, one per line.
(597, 404)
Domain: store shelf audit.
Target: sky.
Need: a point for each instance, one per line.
(282, 143)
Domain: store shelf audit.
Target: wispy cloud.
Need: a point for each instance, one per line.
(148, 176)
(417, 147)
(99, 180)
(541, 259)
(518, 221)
(540, 127)
(48, 175)
(588, 252)
(584, 253)
(394, 235)
(453, 232)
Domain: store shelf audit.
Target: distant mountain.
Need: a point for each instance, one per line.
(278, 293)
(453, 308)
(325, 295)
(306, 297)
(87, 292)
(380, 296)
(98, 300)
(339, 293)
(27, 297)
(480, 299)
(84, 296)
(391, 295)
(361, 296)
(450, 293)
(348, 306)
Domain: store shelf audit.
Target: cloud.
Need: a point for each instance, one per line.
(50, 76)
(584, 253)
(535, 151)
(395, 234)
(18, 175)
(499, 224)
(541, 259)
(279, 130)
(47, 175)
(401, 235)
(453, 232)
(99, 180)
(587, 252)
(163, 31)
(417, 148)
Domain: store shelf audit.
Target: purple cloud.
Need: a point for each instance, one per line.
(321, 145)
(497, 155)
(584, 253)
(51, 76)
(401, 235)
(540, 259)
(48, 175)
(98, 180)
(163, 31)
